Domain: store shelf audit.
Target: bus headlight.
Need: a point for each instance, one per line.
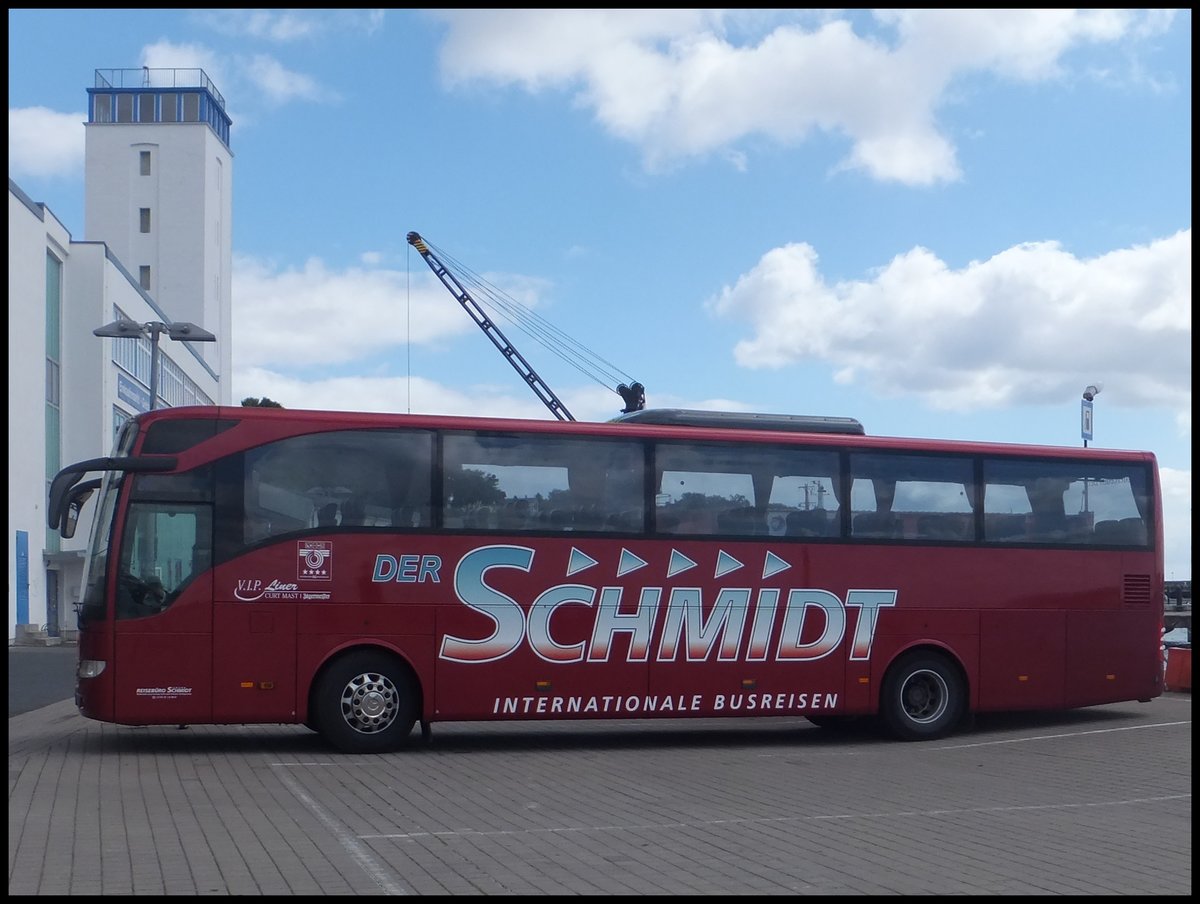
(90, 668)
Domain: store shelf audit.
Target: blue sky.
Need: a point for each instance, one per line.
(941, 223)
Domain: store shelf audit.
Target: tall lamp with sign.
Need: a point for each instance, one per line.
(1086, 424)
(1085, 411)
(180, 331)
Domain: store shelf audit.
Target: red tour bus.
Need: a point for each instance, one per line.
(361, 573)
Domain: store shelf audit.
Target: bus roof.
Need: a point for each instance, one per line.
(743, 420)
(685, 424)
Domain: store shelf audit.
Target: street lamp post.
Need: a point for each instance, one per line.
(180, 331)
(1085, 411)
(1086, 424)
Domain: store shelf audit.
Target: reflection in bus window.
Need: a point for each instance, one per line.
(541, 483)
(336, 480)
(1078, 502)
(165, 545)
(746, 490)
(912, 497)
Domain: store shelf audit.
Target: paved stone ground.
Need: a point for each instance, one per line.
(39, 676)
(1095, 801)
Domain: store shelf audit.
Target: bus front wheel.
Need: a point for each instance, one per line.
(365, 703)
(924, 697)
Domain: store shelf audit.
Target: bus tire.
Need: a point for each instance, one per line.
(924, 697)
(365, 702)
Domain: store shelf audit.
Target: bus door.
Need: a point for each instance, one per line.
(162, 658)
(255, 588)
(254, 636)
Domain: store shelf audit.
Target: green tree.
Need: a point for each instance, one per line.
(264, 402)
(471, 486)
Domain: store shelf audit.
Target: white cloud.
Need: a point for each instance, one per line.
(169, 55)
(249, 77)
(674, 83)
(322, 316)
(1019, 327)
(417, 395)
(1020, 44)
(383, 394)
(280, 85)
(680, 83)
(42, 142)
(296, 319)
(285, 26)
(279, 26)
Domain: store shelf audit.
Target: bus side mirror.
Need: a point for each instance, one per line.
(76, 499)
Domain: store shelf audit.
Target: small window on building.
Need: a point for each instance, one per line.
(145, 108)
(120, 418)
(144, 277)
(144, 160)
(102, 108)
(191, 108)
(124, 108)
(170, 107)
(144, 219)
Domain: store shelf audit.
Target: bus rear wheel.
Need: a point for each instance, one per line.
(365, 703)
(924, 697)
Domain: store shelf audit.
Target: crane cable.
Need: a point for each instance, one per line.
(563, 346)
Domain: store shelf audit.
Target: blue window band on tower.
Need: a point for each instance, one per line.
(159, 96)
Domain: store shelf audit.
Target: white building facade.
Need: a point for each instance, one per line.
(158, 211)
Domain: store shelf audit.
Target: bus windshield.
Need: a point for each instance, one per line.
(95, 568)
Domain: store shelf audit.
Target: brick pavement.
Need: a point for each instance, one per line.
(1095, 801)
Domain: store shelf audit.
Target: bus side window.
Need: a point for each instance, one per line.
(874, 524)
(811, 523)
(505, 483)
(1049, 522)
(1028, 501)
(327, 515)
(916, 497)
(353, 512)
(201, 558)
(803, 496)
(871, 505)
(1006, 512)
(1123, 532)
(1004, 527)
(163, 549)
(708, 489)
(744, 521)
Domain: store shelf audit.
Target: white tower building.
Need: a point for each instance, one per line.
(158, 195)
(158, 172)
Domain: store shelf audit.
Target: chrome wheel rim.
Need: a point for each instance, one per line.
(924, 697)
(370, 702)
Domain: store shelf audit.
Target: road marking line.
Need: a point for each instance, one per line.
(378, 872)
(409, 836)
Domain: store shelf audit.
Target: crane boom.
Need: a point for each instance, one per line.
(493, 332)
